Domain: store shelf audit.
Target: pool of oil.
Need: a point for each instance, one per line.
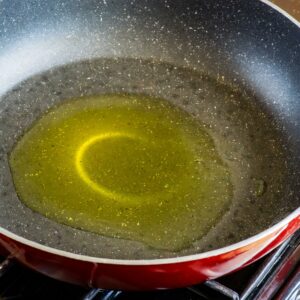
(126, 166)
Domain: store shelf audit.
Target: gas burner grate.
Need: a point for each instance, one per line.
(278, 274)
(6, 265)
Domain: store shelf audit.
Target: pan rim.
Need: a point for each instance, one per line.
(281, 11)
(275, 229)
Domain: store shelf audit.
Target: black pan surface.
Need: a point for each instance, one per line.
(234, 65)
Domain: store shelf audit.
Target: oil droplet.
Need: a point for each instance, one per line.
(259, 187)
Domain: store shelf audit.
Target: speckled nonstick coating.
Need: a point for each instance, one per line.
(233, 65)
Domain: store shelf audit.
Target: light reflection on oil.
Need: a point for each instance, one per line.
(85, 176)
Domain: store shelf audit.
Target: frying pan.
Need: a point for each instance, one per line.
(234, 65)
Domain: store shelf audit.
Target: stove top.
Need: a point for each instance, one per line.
(275, 277)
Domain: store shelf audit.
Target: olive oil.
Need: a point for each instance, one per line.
(125, 166)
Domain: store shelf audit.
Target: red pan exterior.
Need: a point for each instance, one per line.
(149, 276)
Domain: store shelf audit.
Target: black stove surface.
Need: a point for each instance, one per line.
(275, 277)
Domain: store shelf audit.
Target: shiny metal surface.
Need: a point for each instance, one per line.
(292, 290)
(274, 273)
(105, 295)
(217, 287)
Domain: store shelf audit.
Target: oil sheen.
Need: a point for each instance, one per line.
(125, 166)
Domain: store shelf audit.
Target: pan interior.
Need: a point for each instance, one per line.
(245, 135)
